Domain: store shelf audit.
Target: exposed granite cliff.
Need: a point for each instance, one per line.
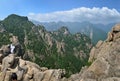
(104, 59)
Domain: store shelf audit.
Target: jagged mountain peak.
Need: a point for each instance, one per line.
(64, 30)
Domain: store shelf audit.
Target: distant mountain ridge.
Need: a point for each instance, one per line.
(95, 31)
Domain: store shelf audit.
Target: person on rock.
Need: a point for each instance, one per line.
(12, 47)
(14, 77)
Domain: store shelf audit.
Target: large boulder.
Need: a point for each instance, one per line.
(114, 34)
(18, 50)
(5, 50)
(8, 61)
(27, 71)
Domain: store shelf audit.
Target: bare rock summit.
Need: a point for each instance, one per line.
(104, 59)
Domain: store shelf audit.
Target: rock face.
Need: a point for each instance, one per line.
(104, 59)
(27, 71)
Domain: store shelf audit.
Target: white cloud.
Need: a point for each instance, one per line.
(94, 15)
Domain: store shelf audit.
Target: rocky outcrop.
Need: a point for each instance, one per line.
(27, 71)
(104, 59)
(60, 47)
(114, 34)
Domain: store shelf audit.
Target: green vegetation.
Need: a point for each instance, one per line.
(4, 39)
(16, 25)
(46, 55)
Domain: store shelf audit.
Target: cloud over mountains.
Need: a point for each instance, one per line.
(95, 15)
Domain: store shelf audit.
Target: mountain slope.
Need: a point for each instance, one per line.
(56, 49)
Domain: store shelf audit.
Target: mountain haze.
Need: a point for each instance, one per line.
(95, 31)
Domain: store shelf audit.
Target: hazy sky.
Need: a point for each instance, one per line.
(63, 10)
